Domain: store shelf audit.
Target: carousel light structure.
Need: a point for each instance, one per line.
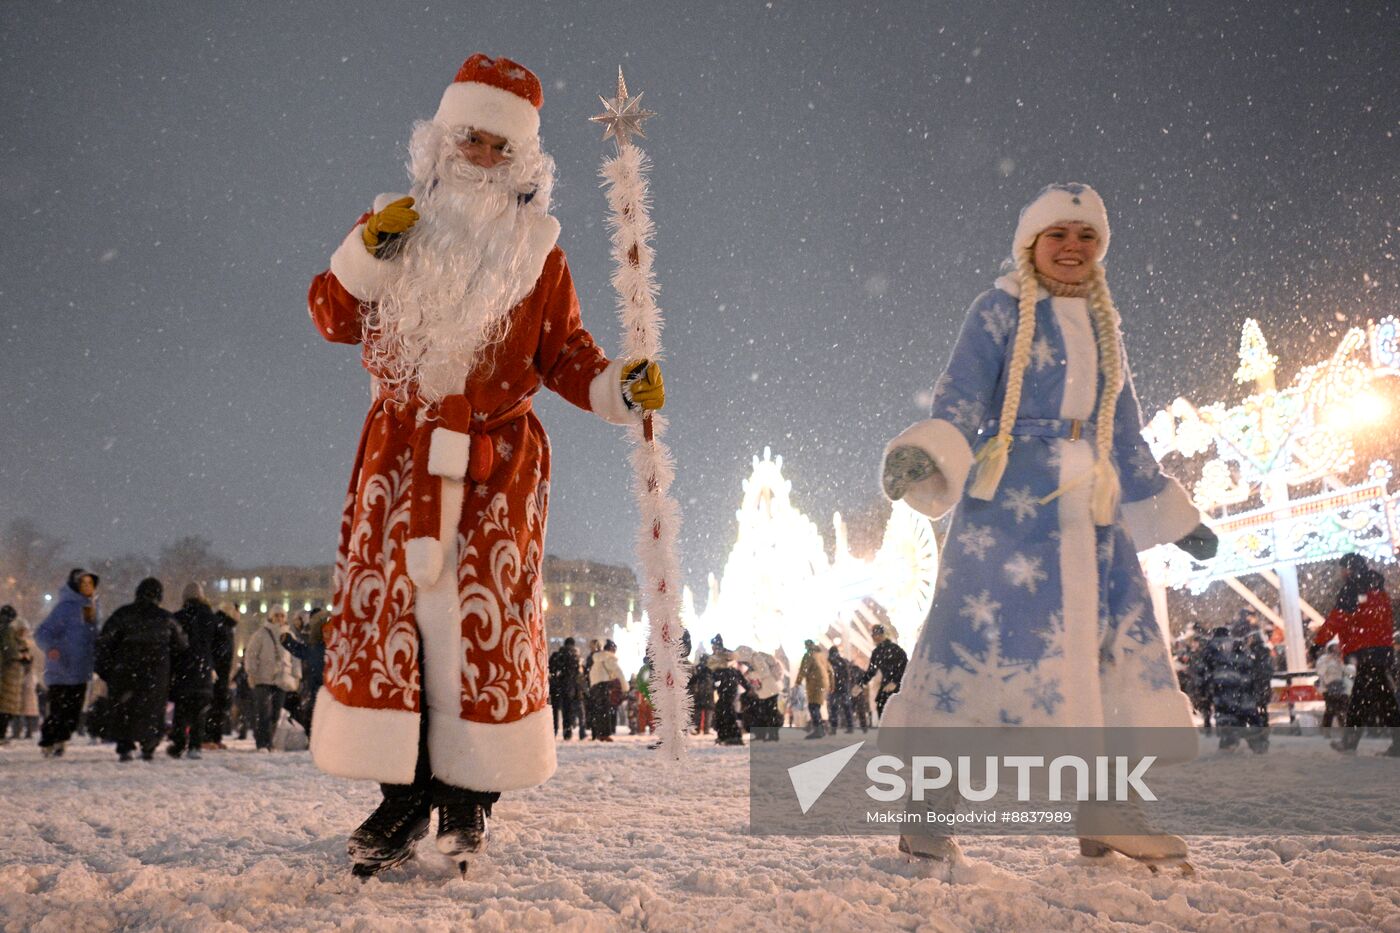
(779, 587)
(1267, 450)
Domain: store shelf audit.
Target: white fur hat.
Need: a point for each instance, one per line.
(1056, 204)
(496, 95)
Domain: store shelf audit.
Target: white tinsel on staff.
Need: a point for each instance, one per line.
(653, 467)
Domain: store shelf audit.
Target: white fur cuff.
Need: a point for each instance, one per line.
(605, 396)
(448, 453)
(489, 756)
(364, 744)
(362, 275)
(949, 450)
(1163, 519)
(423, 560)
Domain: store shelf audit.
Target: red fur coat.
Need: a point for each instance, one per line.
(442, 539)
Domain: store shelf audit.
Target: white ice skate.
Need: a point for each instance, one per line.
(932, 848)
(1123, 828)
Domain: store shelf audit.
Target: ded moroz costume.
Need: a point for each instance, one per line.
(465, 309)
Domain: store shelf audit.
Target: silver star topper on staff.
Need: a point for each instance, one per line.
(623, 115)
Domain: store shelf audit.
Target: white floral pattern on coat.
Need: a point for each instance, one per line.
(384, 650)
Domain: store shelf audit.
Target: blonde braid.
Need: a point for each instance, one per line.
(1106, 485)
(991, 459)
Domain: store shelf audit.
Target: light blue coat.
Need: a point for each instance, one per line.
(1039, 616)
(75, 639)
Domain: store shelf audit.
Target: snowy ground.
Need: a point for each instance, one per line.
(248, 841)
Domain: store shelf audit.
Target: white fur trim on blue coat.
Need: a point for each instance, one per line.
(1164, 518)
(949, 450)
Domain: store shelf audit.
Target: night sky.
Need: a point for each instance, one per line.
(834, 183)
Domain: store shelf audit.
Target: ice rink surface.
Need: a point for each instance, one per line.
(243, 840)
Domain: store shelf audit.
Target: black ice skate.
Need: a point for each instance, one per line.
(462, 827)
(386, 839)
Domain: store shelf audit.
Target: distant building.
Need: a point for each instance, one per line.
(581, 598)
(255, 591)
(585, 599)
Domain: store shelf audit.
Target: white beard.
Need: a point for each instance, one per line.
(473, 255)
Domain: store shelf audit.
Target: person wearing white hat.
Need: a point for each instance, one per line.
(436, 674)
(1042, 615)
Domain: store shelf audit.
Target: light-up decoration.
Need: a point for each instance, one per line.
(1256, 362)
(779, 587)
(1361, 518)
(1385, 344)
(631, 641)
(1277, 440)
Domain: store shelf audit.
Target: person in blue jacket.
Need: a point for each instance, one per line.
(68, 638)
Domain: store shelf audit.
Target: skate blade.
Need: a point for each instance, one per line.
(1156, 865)
(367, 870)
(936, 869)
(933, 867)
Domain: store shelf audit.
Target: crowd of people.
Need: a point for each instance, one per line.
(1228, 673)
(733, 692)
(145, 674)
(827, 679)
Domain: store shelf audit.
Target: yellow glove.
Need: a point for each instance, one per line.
(642, 385)
(384, 225)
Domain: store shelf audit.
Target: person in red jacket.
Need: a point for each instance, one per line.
(436, 676)
(1362, 622)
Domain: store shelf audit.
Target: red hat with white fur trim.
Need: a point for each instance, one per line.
(1057, 204)
(493, 94)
